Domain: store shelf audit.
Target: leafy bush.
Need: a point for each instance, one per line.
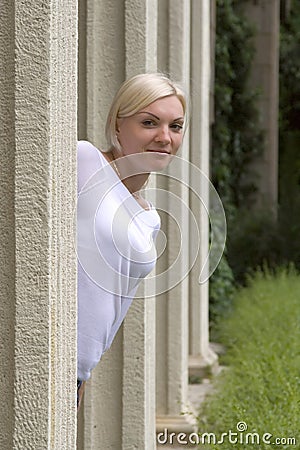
(254, 242)
(261, 387)
(260, 240)
(289, 207)
(221, 296)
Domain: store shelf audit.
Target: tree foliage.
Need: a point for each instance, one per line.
(236, 134)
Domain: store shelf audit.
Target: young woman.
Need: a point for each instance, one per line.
(116, 225)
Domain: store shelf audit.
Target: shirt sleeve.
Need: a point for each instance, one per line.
(87, 162)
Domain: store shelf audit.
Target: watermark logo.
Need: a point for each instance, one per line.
(97, 200)
(240, 435)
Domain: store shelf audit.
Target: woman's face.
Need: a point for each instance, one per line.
(156, 131)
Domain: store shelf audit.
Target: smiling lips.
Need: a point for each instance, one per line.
(159, 151)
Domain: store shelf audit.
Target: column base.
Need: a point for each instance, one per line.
(173, 431)
(200, 366)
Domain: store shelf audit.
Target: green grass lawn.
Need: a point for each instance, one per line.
(260, 385)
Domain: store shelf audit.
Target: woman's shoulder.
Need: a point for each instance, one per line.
(85, 148)
(88, 151)
(88, 161)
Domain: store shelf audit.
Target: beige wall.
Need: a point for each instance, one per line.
(7, 224)
(38, 277)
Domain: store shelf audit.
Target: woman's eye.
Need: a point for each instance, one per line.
(148, 123)
(177, 126)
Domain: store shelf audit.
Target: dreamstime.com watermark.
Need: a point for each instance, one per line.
(240, 435)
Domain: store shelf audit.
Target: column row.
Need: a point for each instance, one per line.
(141, 384)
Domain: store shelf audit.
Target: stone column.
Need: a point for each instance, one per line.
(201, 357)
(119, 406)
(101, 71)
(172, 306)
(213, 19)
(265, 15)
(138, 425)
(38, 45)
(7, 224)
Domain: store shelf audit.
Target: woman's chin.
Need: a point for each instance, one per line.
(144, 162)
(157, 161)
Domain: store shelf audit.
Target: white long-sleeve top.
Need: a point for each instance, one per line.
(115, 247)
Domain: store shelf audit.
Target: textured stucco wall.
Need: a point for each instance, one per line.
(7, 233)
(32, 325)
(39, 47)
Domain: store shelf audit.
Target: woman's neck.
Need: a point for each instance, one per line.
(136, 182)
(133, 183)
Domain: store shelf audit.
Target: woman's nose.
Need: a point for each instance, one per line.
(163, 135)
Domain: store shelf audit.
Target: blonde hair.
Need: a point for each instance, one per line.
(136, 93)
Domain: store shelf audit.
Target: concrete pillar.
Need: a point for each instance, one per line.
(138, 426)
(7, 224)
(265, 15)
(172, 306)
(213, 14)
(119, 405)
(101, 71)
(201, 357)
(38, 45)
